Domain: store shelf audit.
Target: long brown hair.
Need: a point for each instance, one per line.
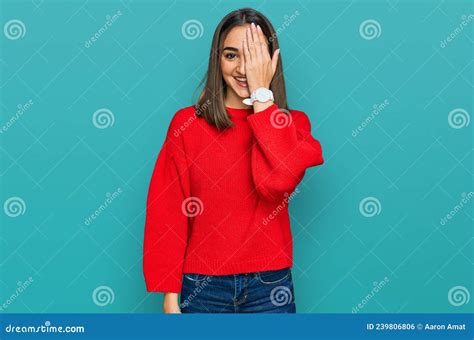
(210, 104)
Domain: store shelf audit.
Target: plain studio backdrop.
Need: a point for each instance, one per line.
(88, 89)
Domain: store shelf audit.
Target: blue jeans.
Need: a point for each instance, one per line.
(259, 292)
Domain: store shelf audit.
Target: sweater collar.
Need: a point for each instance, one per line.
(243, 113)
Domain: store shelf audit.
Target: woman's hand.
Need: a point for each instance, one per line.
(170, 303)
(259, 67)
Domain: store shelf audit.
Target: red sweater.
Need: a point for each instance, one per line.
(218, 201)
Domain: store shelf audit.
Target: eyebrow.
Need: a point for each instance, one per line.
(230, 49)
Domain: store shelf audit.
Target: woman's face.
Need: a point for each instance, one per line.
(232, 63)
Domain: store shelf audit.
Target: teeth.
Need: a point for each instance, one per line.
(241, 79)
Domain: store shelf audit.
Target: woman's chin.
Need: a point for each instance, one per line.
(242, 93)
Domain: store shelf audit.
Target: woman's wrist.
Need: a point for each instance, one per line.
(170, 303)
(253, 88)
(258, 106)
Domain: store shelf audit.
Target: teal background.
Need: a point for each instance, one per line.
(143, 70)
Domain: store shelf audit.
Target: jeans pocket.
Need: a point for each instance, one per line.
(273, 276)
(195, 277)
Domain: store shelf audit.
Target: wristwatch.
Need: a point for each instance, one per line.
(261, 95)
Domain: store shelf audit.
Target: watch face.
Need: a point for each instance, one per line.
(262, 94)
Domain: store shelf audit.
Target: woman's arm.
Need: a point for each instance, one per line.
(284, 146)
(283, 150)
(166, 226)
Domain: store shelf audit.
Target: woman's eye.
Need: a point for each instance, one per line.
(230, 55)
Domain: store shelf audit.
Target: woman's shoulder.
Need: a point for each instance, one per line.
(183, 116)
(185, 112)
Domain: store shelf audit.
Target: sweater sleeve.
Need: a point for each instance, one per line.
(283, 150)
(166, 226)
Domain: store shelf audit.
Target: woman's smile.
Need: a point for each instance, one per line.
(241, 81)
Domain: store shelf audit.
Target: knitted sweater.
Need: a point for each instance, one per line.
(218, 200)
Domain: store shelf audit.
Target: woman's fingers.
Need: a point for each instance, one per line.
(245, 48)
(259, 64)
(263, 43)
(256, 41)
(250, 31)
(250, 45)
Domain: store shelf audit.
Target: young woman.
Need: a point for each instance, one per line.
(217, 227)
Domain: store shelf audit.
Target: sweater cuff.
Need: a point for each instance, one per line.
(169, 284)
